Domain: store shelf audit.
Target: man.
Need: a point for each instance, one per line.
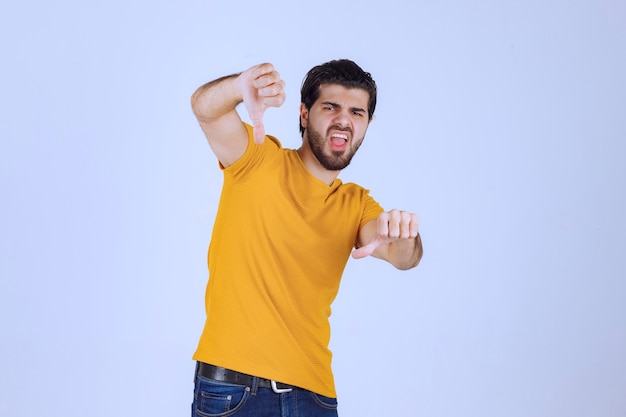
(284, 230)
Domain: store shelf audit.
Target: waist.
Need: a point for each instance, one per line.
(218, 373)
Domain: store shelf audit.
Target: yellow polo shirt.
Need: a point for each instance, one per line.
(280, 243)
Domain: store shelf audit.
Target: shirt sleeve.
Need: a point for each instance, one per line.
(254, 156)
(371, 210)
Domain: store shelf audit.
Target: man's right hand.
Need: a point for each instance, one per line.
(261, 88)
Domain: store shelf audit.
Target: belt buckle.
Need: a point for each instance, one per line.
(279, 390)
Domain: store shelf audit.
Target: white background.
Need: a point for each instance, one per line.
(501, 123)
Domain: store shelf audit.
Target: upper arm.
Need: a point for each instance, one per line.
(227, 136)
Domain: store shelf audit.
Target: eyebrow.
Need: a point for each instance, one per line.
(357, 109)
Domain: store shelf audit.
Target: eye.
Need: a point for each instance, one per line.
(329, 107)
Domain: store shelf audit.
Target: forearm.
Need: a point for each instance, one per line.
(405, 253)
(216, 98)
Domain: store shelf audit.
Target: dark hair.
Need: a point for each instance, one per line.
(343, 72)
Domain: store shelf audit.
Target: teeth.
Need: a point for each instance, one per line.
(337, 135)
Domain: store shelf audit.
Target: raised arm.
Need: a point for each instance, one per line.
(394, 237)
(214, 105)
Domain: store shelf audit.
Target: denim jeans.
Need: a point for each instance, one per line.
(217, 399)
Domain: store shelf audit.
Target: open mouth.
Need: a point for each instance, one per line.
(338, 141)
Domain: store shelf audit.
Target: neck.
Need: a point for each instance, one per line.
(313, 165)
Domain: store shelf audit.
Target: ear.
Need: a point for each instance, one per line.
(304, 115)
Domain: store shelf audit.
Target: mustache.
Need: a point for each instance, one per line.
(341, 129)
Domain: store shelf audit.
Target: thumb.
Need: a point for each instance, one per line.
(259, 133)
(258, 127)
(365, 251)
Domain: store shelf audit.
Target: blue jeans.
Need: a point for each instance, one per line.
(213, 398)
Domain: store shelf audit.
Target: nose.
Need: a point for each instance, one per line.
(342, 119)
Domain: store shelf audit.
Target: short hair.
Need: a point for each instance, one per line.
(343, 72)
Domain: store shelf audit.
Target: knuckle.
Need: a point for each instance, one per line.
(393, 215)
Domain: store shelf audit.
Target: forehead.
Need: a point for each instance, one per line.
(347, 97)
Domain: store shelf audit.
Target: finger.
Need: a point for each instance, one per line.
(405, 225)
(259, 130)
(273, 87)
(365, 251)
(393, 225)
(256, 117)
(257, 72)
(414, 225)
(268, 82)
(276, 100)
(382, 223)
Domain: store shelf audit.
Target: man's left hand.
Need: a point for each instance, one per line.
(390, 226)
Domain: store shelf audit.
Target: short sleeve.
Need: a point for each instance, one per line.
(371, 210)
(254, 156)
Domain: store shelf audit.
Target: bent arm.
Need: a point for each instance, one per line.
(214, 105)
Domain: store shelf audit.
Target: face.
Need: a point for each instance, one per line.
(335, 125)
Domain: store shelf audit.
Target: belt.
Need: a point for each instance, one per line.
(218, 373)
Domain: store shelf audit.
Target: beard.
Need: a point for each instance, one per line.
(336, 160)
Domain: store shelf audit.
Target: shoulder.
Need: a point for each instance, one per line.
(355, 194)
(352, 189)
(369, 207)
(255, 155)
